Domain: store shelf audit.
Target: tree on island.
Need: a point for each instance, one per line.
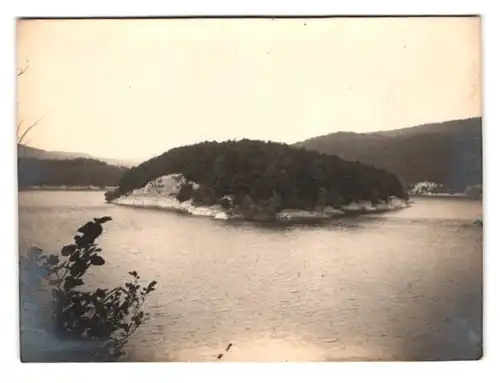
(263, 171)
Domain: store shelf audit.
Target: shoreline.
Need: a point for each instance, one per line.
(170, 204)
(162, 193)
(444, 195)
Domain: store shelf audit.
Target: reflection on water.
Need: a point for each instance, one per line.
(401, 285)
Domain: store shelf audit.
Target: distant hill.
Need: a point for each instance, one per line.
(449, 153)
(70, 172)
(25, 151)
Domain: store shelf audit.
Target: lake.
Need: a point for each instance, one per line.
(404, 285)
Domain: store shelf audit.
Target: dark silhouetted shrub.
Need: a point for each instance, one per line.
(111, 315)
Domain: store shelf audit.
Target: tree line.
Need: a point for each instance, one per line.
(447, 153)
(258, 171)
(74, 172)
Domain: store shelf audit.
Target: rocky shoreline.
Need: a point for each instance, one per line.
(259, 213)
(174, 192)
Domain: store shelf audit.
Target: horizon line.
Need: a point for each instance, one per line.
(99, 157)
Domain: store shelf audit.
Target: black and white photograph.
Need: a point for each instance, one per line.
(250, 189)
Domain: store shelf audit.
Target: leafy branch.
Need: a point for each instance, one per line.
(104, 314)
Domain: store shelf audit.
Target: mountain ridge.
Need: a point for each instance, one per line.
(449, 152)
(25, 151)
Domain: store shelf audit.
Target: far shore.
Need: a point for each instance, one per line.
(108, 188)
(443, 195)
(66, 188)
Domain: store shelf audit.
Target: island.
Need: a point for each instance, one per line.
(258, 181)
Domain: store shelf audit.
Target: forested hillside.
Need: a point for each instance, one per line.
(260, 170)
(25, 151)
(448, 153)
(74, 172)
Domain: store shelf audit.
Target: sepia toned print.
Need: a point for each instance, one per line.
(270, 189)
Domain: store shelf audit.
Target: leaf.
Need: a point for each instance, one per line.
(53, 260)
(72, 282)
(138, 321)
(103, 219)
(151, 285)
(78, 268)
(68, 250)
(124, 306)
(90, 231)
(97, 260)
(74, 257)
(133, 273)
(100, 293)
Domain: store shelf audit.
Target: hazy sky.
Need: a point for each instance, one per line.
(136, 88)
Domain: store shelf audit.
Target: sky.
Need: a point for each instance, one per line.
(133, 89)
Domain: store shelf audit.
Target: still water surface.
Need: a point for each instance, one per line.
(404, 285)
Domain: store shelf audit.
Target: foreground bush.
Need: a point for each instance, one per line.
(107, 315)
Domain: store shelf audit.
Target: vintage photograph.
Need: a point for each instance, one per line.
(250, 189)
